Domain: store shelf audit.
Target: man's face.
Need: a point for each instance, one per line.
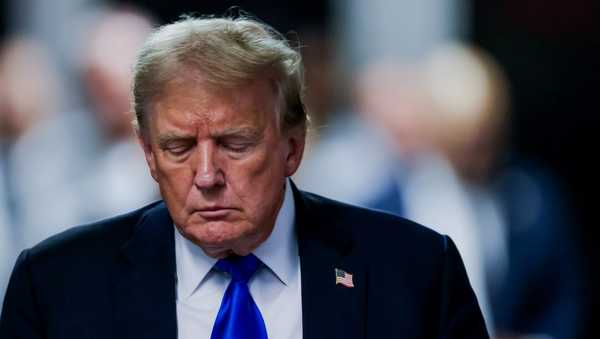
(221, 160)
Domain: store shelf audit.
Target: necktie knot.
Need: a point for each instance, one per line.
(240, 268)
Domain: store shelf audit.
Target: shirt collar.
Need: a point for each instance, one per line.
(279, 252)
(193, 265)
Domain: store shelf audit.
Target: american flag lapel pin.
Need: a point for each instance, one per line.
(343, 277)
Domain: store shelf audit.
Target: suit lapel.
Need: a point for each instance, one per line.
(329, 310)
(145, 294)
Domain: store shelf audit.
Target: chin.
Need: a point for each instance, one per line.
(213, 247)
(221, 238)
(217, 236)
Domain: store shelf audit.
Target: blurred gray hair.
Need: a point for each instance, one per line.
(228, 52)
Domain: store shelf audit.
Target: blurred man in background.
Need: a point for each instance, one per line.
(28, 97)
(449, 117)
(57, 167)
(91, 165)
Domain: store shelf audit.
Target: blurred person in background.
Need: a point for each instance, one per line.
(117, 180)
(81, 165)
(449, 118)
(29, 96)
(367, 30)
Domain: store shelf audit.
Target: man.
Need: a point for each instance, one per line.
(236, 250)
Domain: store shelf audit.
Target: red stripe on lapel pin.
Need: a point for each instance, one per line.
(343, 277)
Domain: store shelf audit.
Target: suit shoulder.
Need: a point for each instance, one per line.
(102, 236)
(378, 226)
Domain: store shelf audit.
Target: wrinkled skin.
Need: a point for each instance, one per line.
(221, 160)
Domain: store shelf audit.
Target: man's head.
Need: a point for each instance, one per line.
(111, 44)
(220, 116)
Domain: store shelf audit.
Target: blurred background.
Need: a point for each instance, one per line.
(476, 118)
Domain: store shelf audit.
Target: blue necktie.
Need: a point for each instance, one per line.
(239, 317)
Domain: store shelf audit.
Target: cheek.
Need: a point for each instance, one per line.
(256, 181)
(175, 181)
(263, 164)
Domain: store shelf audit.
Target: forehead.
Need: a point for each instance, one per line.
(189, 101)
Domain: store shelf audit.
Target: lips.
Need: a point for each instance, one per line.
(214, 212)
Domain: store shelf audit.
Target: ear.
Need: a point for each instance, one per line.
(295, 139)
(146, 145)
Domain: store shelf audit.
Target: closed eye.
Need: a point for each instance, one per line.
(238, 143)
(237, 147)
(178, 150)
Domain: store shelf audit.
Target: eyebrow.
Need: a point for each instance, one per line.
(248, 132)
(165, 139)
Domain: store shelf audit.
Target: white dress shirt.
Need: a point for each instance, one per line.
(275, 287)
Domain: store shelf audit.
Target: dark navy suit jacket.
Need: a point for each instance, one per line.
(116, 279)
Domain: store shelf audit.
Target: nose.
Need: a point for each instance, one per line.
(208, 174)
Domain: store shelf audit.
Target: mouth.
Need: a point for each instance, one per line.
(214, 212)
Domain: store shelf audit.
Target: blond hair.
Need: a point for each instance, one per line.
(228, 52)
